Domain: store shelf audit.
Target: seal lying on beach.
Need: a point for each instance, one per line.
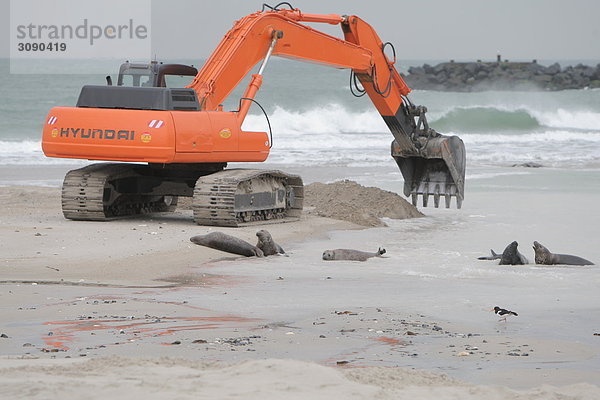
(349, 254)
(267, 244)
(510, 256)
(230, 244)
(545, 257)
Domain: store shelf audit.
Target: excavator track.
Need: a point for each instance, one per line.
(92, 194)
(240, 197)
(235, 197)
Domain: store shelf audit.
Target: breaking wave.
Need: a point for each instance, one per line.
(493, 119)
(335, 134)
(328, 119)
(335, 118)
(485, 119)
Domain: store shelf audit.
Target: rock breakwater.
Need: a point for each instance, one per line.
(501, 75)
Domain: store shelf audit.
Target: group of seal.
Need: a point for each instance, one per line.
(266, 246)
(543, 256)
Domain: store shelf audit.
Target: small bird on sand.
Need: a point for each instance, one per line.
(503, 313)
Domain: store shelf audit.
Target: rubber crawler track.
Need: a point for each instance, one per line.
(215, 198)
(86, 195)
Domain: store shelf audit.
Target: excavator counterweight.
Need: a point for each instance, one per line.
(184, 139)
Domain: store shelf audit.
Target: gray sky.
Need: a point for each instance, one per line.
(419, 29)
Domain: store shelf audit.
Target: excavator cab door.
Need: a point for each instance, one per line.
(155, 74)
(131, 74)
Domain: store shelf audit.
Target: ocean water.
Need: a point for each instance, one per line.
(316, 120)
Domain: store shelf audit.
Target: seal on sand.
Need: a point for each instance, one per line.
(351, 255)
(230, 244)
(510, 256)
(267, 244)
(545, 257)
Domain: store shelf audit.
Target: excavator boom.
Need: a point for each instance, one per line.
(431, 164)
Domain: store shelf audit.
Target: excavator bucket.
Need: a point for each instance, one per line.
(439, 170)
(431, 164)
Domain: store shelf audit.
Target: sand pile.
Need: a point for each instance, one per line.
(347, 200)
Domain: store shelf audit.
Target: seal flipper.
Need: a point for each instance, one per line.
(568, 259)
(493, 256)
(279, 249)
(380, 252)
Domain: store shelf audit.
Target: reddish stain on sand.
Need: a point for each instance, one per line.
(65, 332)
(389, 340)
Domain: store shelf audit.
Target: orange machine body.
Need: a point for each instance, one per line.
(151, 136)
(210, 134)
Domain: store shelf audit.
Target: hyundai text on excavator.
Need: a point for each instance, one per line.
(172, 142)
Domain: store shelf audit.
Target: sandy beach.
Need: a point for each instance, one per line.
(132, 308)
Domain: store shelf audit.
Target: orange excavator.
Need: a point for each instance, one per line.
(172, 142)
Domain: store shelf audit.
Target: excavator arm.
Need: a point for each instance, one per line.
(431, 163)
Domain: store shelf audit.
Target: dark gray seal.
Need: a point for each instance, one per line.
(230, 244)
(510, 256)
(267, 244)
(545, 257)
(351, 255)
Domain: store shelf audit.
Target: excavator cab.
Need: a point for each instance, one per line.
(155, 74)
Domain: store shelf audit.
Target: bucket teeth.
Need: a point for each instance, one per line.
(448, 198)
(447, 190)
(436, 188)
(436, 196)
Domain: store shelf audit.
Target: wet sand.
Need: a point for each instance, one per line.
(86, 303)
